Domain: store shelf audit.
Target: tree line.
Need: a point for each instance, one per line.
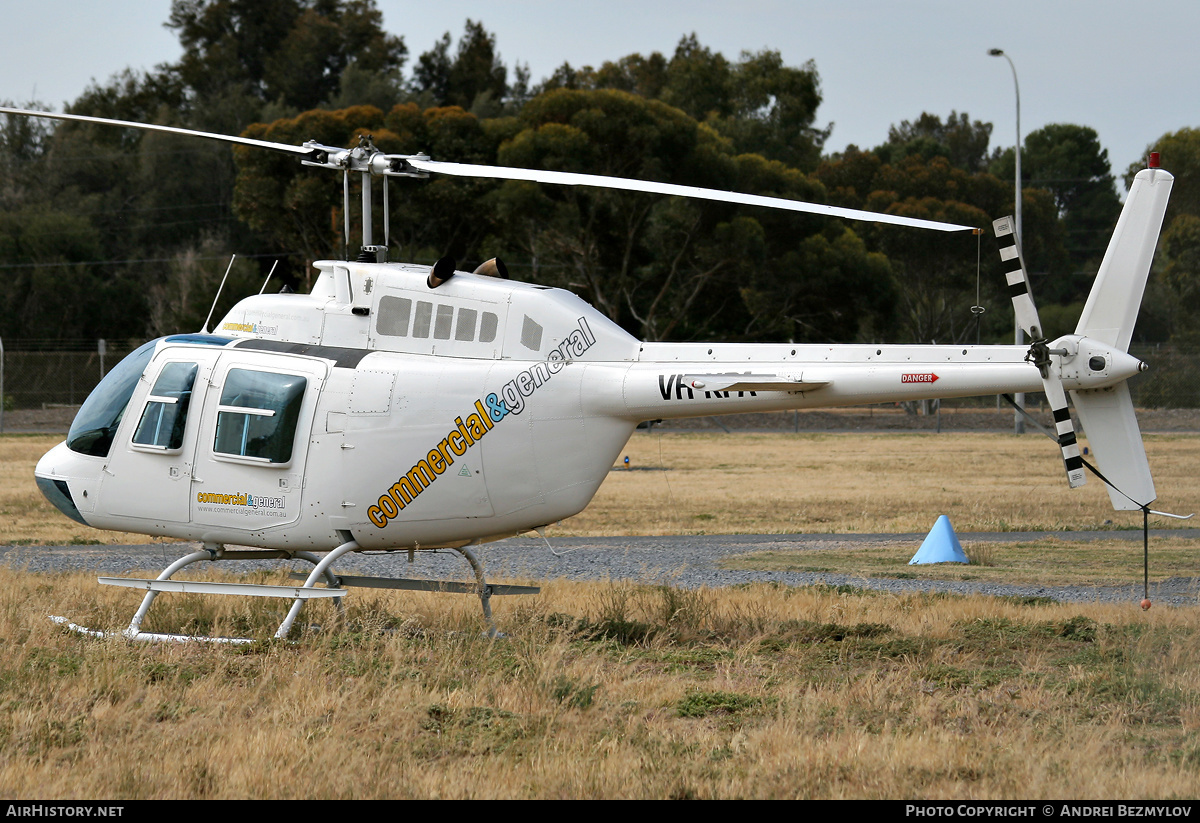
(118, 234)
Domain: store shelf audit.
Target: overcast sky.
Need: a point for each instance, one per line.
(1129, 70)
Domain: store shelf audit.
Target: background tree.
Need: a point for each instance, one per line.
(935, 274)
(1067, 161)
(1180, 155)
(760, 104)
(475, 79)
(289, 52)
(963, 143)
(661, 267)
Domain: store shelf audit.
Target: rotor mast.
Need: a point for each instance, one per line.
(367, 160)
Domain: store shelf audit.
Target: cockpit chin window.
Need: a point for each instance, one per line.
(96, 424)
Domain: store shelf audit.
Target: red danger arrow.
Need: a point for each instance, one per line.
(918, 378)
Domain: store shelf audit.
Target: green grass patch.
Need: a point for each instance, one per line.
(706, 704)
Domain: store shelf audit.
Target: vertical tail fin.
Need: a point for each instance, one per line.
(1111, 311)
(1112, 307)
(1111, 428)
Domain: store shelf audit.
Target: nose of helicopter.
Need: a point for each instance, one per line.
(51, 475)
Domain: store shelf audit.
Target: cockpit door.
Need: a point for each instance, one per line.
(149, 468)
(254, 438)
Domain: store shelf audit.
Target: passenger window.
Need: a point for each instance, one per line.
(422, 321)
(487, 327)
(531, 334)
(257, 416)
(165, 415)
(465, 330)
(393, 316)
(445, 320)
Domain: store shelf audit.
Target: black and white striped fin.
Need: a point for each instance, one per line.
(1018, 279)
(1065, 430)
(1027, 317)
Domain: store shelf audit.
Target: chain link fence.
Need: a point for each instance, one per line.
(43, 383)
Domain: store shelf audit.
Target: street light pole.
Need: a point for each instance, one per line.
(1018, 335)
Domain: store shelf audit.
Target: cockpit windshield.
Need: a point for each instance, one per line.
(96, 424)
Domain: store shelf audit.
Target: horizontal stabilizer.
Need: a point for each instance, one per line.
(1111, 428)
(749, 382)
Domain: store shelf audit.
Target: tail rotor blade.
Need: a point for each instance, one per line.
(1018, 278)
(1065, 430)
(1039, 352)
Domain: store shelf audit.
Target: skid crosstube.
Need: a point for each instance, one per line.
(335, 587)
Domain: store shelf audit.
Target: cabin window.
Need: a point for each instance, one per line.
(396, 316)
(165, 415)
(393, 316)
(531, 334)
(487, 327)
(257, 416)
(465, 330)
(421, 322)
(94, 427)
(445, 321)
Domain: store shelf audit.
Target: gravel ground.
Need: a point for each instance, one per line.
(683, 561)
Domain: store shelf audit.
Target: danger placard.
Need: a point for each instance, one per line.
(918, 378)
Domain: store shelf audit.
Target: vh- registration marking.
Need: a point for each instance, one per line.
(669, 384)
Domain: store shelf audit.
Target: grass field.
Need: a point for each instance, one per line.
(621, 690)
(606, 691)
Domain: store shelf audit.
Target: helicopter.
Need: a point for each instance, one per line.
(404, 408)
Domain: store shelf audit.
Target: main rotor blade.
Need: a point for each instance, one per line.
(299, 151)
(573, 179)
(319, 155)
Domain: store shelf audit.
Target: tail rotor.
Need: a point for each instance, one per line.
(1039, 349)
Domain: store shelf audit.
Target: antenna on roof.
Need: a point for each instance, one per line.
(268, 280)
(218, 297)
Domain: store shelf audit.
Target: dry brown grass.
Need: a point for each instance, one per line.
(773, 483)
(604, 690)
(891, 483)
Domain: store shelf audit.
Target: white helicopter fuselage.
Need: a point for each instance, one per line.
(381, 410)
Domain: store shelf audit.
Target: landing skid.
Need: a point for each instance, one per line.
(336, 588)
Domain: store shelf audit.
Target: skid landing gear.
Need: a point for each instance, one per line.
(336, 587)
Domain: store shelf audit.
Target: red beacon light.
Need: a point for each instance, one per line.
(1153, 160)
